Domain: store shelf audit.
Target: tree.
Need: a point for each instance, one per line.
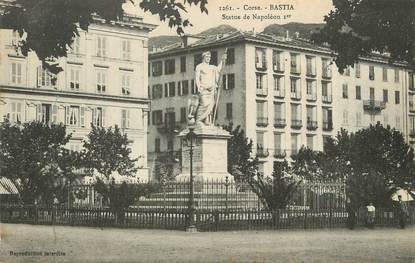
(33, 156)
(51, 25)
(359, 27)
(275, 191)
(241, 163)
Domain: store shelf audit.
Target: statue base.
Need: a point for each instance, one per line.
(209, 154)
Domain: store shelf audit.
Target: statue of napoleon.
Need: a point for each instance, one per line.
(202, 109)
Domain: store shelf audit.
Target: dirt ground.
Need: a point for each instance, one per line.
(82, 244)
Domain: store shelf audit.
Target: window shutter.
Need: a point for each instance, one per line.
(94, 116)
(166, 90)
(39, 112)
(103, 117)
(128, 119)
(13, 111)
(39, 76)
(54, 113)
(67, 114)
(82, 118)
(123, 118)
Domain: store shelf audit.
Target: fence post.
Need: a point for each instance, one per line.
(36, 214)
(53, 214)
(331, 217)
(226, 192)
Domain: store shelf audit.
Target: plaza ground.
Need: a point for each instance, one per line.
(83, 244)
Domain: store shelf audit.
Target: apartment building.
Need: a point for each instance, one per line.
(103, 82)
(285, 93)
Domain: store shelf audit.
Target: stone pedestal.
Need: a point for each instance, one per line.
(209, 153)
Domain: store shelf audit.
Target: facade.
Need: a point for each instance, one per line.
(103, 82)
(285, 93)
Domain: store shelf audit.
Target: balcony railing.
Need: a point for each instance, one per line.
(261, 66)
(279, 123)
(312, 97)
(169, 127)
(296, 95)
(327, 98)
(327, 126)
(262, 152)
(373, 105)
(280, 153)
(279, 93)
(326, 74)
(296, 124)
(412, 132)
(262, 92)
(312, 125)
(262, 121)
(278, 67)
(295, 69)
(411, 106)
(310, 73)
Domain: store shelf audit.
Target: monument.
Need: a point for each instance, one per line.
(203, 140)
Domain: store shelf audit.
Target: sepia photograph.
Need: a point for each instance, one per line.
(207, 131)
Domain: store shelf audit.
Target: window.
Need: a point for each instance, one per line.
(261, 87)
(157, 91)
(169, 66)
(311, 66)
(157, 117)
(183, 64)
(15, 38)
(345, 91)
(16, 73)
(278, 142)
(358, 92)
(371, 72)
(279, 112)
(262, 113)
(98, 116)
(294, 143)
(228, 81)
(229, 112)
(74, 78)
(279, 86)
(46, 113)
(15, 112)
(311, 89)
(172, 89)
(197, 59)
(295, 89)
(396, 75)
(101, 46)
(157, 68)
(185, 87)
(345, 117)
(295, 112)
(170, 145)
(183, 115)
(347, 72)
(179, 88)
(326, 67)
(310, 141)
(277, 61)
(295, 63)
(230, 56)
(397, 98)
(101, 81)
(166, 90)
(327, 118)
(385, 74)
(385, 96)
(125, 119)
(125, 84)
(260, 140)
(311, 113)
(76, 45)
(157, 145)
(45, 78)
(357, 70)
(75, 116)
(260, 58)
(126, 50)
(358, 119)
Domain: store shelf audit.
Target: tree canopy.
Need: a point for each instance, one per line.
(33, 156)
(51, 25)
(359, 27)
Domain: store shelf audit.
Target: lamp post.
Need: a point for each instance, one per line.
(191, 227)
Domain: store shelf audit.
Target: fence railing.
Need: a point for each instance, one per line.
(205, 219)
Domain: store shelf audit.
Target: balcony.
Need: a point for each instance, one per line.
(280, 123)
(295, 69)
(373, 105)
(262, 121)
(312, 97)
(311, 73)
(279, 94)
(262, 92)
(412, 132)
(326, 74)
(262, 153)
(326, 99)
(327, 126)
(296, 95)
(312, 125)
(296, 124)
(278, 68)
(261, 66)
(280, 153)
(169, 127)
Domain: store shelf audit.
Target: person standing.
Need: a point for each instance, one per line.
(402, 212)
(351, 214)
(371, 211)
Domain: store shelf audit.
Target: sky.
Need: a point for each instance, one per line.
(305, 11)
